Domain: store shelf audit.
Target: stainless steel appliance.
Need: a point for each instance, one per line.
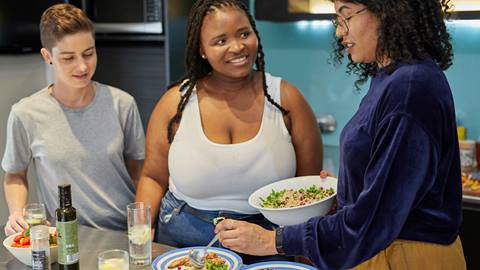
(126, 16)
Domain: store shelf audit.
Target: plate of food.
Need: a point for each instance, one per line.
(278, 265)
(216, 259)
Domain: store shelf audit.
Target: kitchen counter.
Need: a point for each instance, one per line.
(471, 202)
(91, 242)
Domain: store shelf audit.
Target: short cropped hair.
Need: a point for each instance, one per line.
(60, 20)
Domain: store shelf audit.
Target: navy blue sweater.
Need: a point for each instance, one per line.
(399, 174)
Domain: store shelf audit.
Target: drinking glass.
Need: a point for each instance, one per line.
(35, 214)
(39, 238)
(139, 233)
(114, 259)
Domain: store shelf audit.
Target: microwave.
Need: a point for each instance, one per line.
(126, 16)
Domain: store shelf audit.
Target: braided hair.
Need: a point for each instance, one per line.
(409, 30)
(197, 67)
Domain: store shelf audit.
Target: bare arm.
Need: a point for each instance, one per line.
(16, 193)
(153, 182)
(305, 133)
(134, 168)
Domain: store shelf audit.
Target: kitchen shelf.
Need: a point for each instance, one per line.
(471, 203)
(471, 199)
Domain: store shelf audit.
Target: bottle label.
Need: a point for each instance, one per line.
(67, 242)
(40, 260)
(466, 157)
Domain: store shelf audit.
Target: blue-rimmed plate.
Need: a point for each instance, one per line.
(274, 265)
(161, 262)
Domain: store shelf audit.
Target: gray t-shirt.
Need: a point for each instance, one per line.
(85, 147)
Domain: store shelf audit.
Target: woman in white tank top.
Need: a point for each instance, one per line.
(223, 131)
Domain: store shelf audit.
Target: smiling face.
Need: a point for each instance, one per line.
(228, 42)
(74, 60)
(361, 37)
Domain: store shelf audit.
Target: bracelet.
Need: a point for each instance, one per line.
(279, 240)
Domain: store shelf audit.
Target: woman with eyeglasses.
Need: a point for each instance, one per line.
(399, 188)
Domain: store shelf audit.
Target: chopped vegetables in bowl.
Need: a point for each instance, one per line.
(22, 240)
(20, 246)
(291, 198)
(295, 200)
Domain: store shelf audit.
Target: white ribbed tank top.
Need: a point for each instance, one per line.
(212, 176)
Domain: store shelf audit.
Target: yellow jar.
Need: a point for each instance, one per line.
(461, 132)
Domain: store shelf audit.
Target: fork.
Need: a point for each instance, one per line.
(197, 256)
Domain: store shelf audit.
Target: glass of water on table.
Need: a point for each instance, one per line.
(35, 214)
(139, 233)
(114, 259)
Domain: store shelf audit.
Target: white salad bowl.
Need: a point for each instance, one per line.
(297, 214)
(25, 254)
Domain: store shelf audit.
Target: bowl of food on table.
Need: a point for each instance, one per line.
(295, 200)
(20, 246)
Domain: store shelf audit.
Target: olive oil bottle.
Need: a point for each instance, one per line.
(68, 256)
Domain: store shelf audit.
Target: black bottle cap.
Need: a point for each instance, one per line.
(65, 195)
(64, 189)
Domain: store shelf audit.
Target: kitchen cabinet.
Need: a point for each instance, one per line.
(466, 9)
(137, 67)
(294, 10)
(144, 65)
(469, 232)
(465, 5)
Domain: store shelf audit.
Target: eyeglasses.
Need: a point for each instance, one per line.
(343, 21)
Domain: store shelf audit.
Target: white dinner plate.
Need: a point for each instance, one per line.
(280, 265)
(233, 260)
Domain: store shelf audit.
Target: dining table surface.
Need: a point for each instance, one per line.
(91, 242)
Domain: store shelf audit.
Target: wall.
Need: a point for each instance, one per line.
(302, 59)
(464, 75)
(20, 76)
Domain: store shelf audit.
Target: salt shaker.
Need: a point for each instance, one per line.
(39, 236)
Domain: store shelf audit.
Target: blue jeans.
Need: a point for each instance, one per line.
(180, 225)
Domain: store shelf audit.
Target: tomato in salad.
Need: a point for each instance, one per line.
(23, 239)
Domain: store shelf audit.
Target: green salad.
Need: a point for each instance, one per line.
(211, 265)
(290, 198)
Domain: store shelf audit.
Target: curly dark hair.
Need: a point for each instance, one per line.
(197, 67)
(409, 30)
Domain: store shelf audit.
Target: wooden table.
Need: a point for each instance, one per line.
(91, 242)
